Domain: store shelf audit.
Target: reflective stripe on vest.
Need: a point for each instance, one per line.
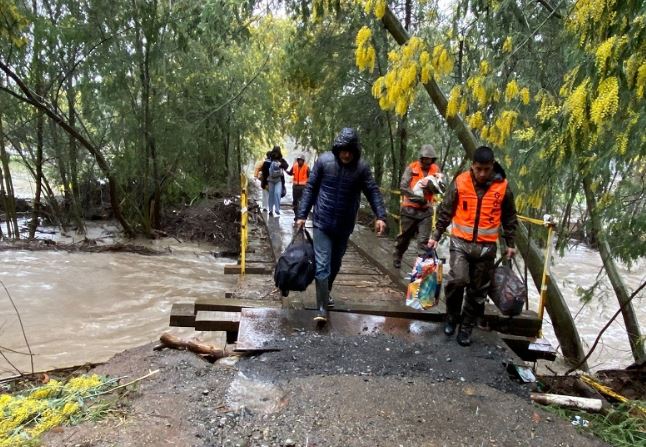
(467, 213)
(300, 174)
(418, 174)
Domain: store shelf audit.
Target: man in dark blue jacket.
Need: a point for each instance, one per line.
(334, 189)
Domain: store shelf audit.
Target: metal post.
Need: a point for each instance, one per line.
(243, 222)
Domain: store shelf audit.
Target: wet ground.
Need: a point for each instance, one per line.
(324, 391)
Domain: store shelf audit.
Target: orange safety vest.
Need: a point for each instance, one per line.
(300, 174)
(473, 214)
(418, 174)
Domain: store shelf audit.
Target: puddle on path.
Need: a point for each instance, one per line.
(255, 396)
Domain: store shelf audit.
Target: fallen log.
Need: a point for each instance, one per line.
(174, 342)
(582, 403)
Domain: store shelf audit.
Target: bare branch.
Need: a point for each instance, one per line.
(550, 9)
(237, 95)
(596, 341)
(22, 328)
(11, 364)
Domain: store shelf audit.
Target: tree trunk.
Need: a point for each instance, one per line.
(38, 175)
(464, 134)
(9, 197)
(402, 133)
(623, 296)
(142, 49)
(37, 72)
(378, 163)
(227, 148)
(394, 179)
(556, 305)
(51, 198)
(72, 156)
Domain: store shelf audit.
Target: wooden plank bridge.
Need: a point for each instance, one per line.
(369, 293)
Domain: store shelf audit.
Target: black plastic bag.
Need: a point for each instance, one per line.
(296, 267)
(507, 290)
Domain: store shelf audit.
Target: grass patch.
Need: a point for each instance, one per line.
(623, 426)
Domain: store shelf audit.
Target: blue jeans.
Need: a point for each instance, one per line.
(275, 190)
(329, 253)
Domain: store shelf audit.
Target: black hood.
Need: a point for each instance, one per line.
(347, 140)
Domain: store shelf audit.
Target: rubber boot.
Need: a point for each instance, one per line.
(451, 324)
(464, 335)
(322, 298)
(466, 328)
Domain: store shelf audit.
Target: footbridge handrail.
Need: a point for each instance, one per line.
(244, 216)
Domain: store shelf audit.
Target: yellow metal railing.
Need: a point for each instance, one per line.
(394, 192)
(244, 216)
(548, 221)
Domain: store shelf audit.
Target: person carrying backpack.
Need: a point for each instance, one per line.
(273, 173)
(263, 181)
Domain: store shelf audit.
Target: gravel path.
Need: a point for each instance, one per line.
(326, 391)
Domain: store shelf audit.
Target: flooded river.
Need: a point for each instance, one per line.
(80, 307)
(579, 268)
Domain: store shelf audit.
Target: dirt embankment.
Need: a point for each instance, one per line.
(214, 220)
(326, 391)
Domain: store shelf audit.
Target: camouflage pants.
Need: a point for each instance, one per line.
(472, 266)
(411, 227)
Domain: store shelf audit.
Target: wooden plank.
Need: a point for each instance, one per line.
(393, 310)
(217, 321)
(250, 269)
(527, 324)
(362, 269)
(259, 258)
(230, 305)
(182, 315)
(376, 251)
(523, 347)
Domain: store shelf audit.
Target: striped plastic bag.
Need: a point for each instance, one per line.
(425, 282)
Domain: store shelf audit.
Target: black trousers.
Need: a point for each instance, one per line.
(297, 195)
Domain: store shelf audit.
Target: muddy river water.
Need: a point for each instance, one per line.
(81, 307)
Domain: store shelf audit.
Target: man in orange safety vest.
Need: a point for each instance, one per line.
(476, 205)
(301, 173)
(416, 212)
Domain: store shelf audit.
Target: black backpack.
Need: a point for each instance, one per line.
(296, 267)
